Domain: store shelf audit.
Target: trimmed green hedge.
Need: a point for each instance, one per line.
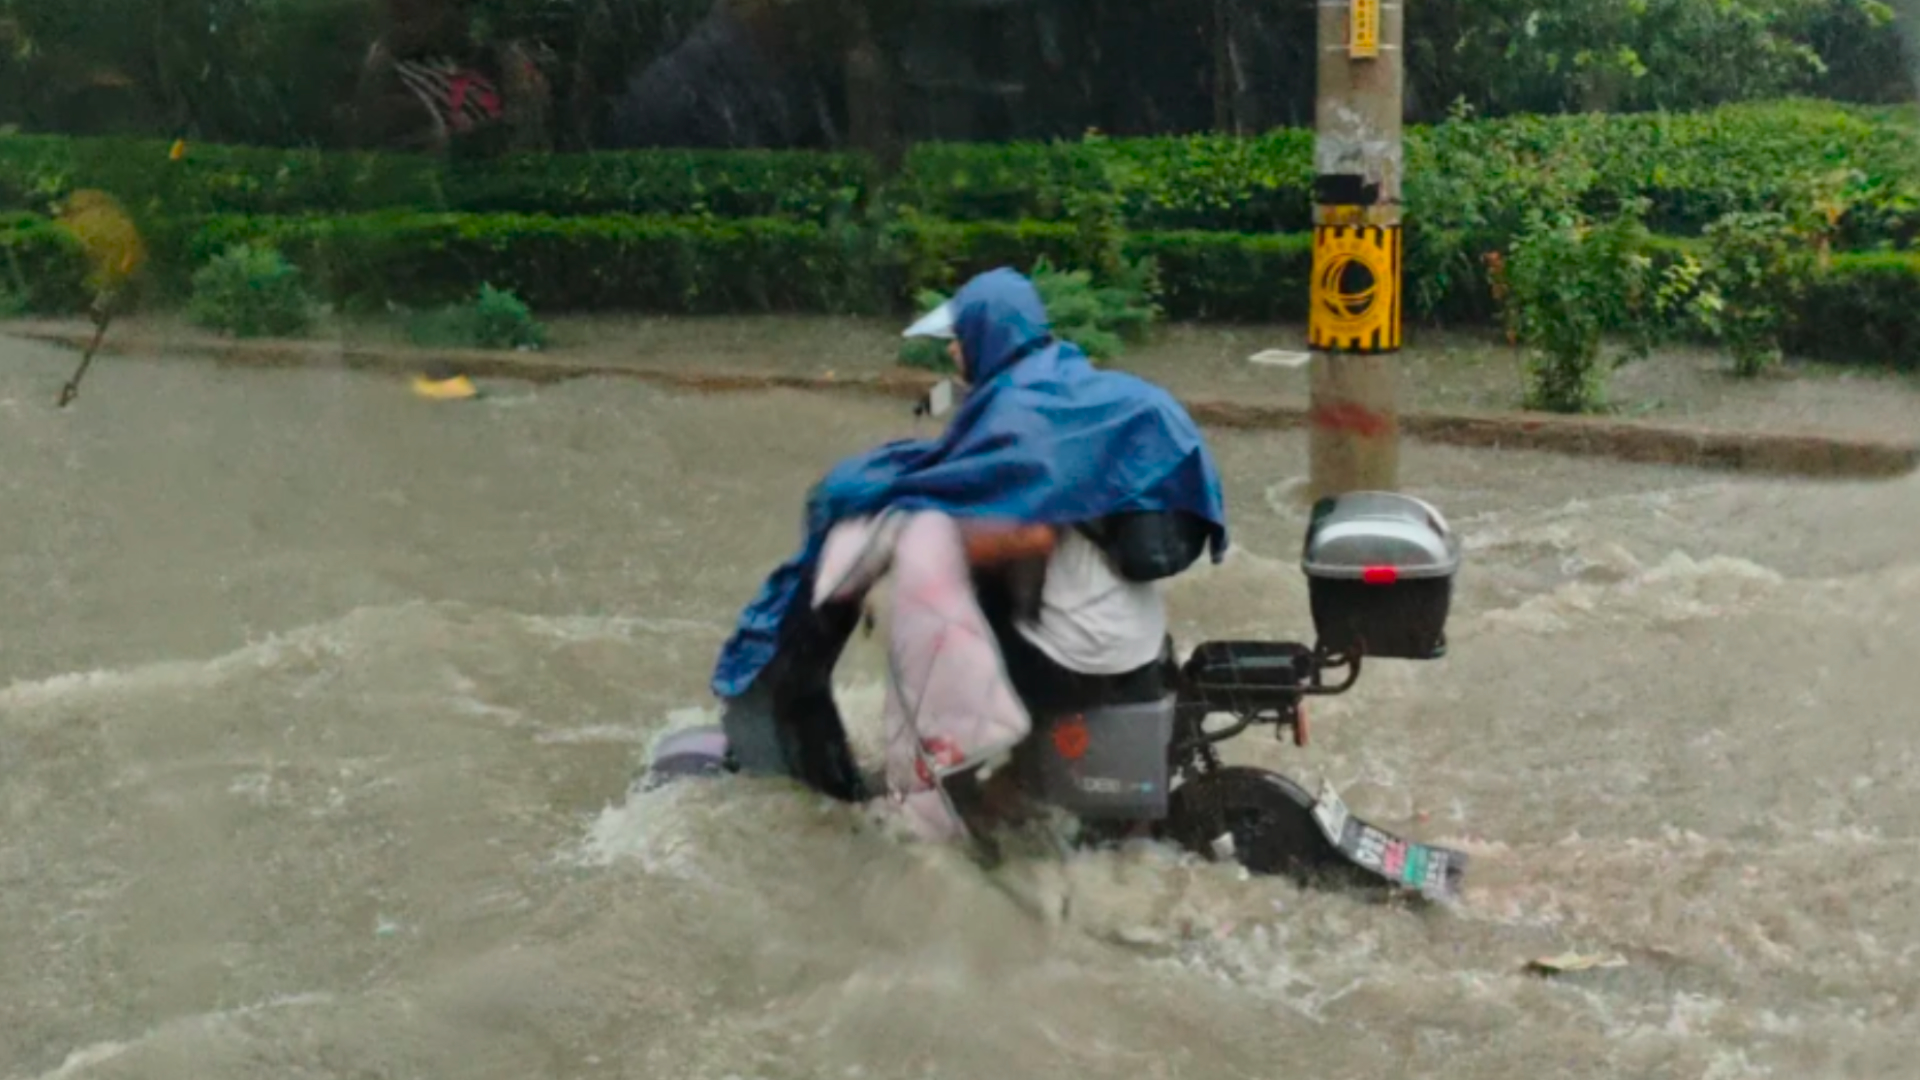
(1465, 176)
(805, 186)
(1866, 309)
(1694, 167)
(617, 262)
(702, 265)
(36, 170)
(41, 265)
(681, 264)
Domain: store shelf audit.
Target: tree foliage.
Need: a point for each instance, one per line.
(284, 72)
(1550, 56)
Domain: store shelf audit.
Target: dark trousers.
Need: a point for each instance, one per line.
(787, 723)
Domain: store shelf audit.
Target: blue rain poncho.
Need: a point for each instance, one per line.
(1043, 438)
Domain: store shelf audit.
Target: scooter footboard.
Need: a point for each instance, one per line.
(1106, 763)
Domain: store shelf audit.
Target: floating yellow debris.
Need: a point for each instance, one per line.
(455, 388)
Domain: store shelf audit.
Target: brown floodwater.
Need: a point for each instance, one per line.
(320, 707)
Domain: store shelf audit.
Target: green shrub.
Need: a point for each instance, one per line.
(920, 253)
(42, 267)
(1757, 271)
(1201, 275)
(1106, 301)
(1570, 282)
(14, 302)
(250, 291)
(1476, 189)
(495, 319)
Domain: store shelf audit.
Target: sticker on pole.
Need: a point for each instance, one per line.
(1356, 289)
(1365, 41)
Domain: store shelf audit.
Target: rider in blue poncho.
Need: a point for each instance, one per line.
(1042, 438)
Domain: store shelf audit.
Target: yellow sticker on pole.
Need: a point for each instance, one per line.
(1364, 42)
(1356, 289)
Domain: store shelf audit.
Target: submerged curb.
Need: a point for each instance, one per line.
(1770, 453)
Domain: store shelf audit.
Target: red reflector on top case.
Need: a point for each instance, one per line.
(1380, 575)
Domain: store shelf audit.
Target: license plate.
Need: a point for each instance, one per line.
(1434, 872)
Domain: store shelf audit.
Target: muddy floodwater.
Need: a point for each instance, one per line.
(320, 706)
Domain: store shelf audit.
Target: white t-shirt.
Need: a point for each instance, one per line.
(1092, 620)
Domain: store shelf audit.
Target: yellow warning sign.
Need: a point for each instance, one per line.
(1356, 289)
(1364, 43)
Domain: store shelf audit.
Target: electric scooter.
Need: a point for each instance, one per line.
(1380, 569)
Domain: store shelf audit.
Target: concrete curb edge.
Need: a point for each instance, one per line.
(1763, 452)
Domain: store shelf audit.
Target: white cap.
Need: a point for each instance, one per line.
(937, 323)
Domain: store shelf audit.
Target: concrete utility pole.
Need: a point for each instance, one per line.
(1355, 324)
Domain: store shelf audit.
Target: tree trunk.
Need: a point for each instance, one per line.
(872, 118)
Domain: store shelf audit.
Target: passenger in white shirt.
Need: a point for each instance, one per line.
(1082, 633)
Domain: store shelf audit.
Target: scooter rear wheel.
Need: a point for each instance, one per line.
(1269, 817)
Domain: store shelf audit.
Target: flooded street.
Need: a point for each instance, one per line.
(319, 707)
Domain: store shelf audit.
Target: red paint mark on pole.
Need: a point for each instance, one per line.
(1348, 417)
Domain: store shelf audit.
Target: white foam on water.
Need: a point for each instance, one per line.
(675, 830)
(313, 646)
(652, 829)
(1565, 523)
(595, 734)
(1679, 589)
(79, 1063)
(1276, 960)
(581, 629)
(320, 650)
(467, 705)
(324, 651)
